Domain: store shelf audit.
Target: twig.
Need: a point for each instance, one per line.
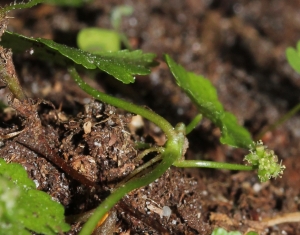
(293, 217)
(53, 157)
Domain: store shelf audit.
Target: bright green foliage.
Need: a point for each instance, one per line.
(9, 194)
(293, 57)
(70, 3)
(204, 95)
(31, 3)
(121, 64)
(265, 160)
(221, 231)
(21, 5)
(23, 208)
(16, 174)
(96, 40)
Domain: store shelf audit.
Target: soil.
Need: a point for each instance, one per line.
(240, 46)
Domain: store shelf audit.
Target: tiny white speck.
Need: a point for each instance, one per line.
(257, 187)
(166, 211)
(97, 144)
(37, 184)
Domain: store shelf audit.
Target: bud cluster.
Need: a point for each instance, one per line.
(265, 160)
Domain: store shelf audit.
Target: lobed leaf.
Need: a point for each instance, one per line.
(123, 65)
(204, 95)
(22, 5)
(31, 3)
(69, 3)
(23, 208)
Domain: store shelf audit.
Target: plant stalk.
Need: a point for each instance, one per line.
(8, 74)
(166, 127)
(279, 122)
(192, 125)
(213, 165)
(173, 151)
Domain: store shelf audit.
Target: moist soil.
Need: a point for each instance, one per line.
(240, 46)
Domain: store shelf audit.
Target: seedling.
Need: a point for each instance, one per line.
(293, 58)
(95, 40)
(124, 65)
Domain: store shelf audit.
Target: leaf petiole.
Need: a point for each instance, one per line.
(166, 127)
(173, 151)
(192, 125)
(213, 165)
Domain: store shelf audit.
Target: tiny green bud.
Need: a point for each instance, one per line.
(265, 160)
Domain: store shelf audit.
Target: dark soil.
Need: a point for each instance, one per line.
(240, 47)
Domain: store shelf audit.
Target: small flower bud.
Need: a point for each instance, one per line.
(265, 160)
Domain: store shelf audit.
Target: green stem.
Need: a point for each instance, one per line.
(147, 151)
(13, 85)
(273, 126)
(173, 151)
(214, 165)
(140, 169)
(191, 126)
(125, 41)
(141, 145)
(146, 113)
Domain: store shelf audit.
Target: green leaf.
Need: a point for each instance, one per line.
(221, 231)
(95, 40)
(293, 57)
(23, 208)
(70, 3)
(43, 215)
(21, 5)
(232, 133)
(204, 95)
(123, 65)
(31, 3)
(17, 174)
